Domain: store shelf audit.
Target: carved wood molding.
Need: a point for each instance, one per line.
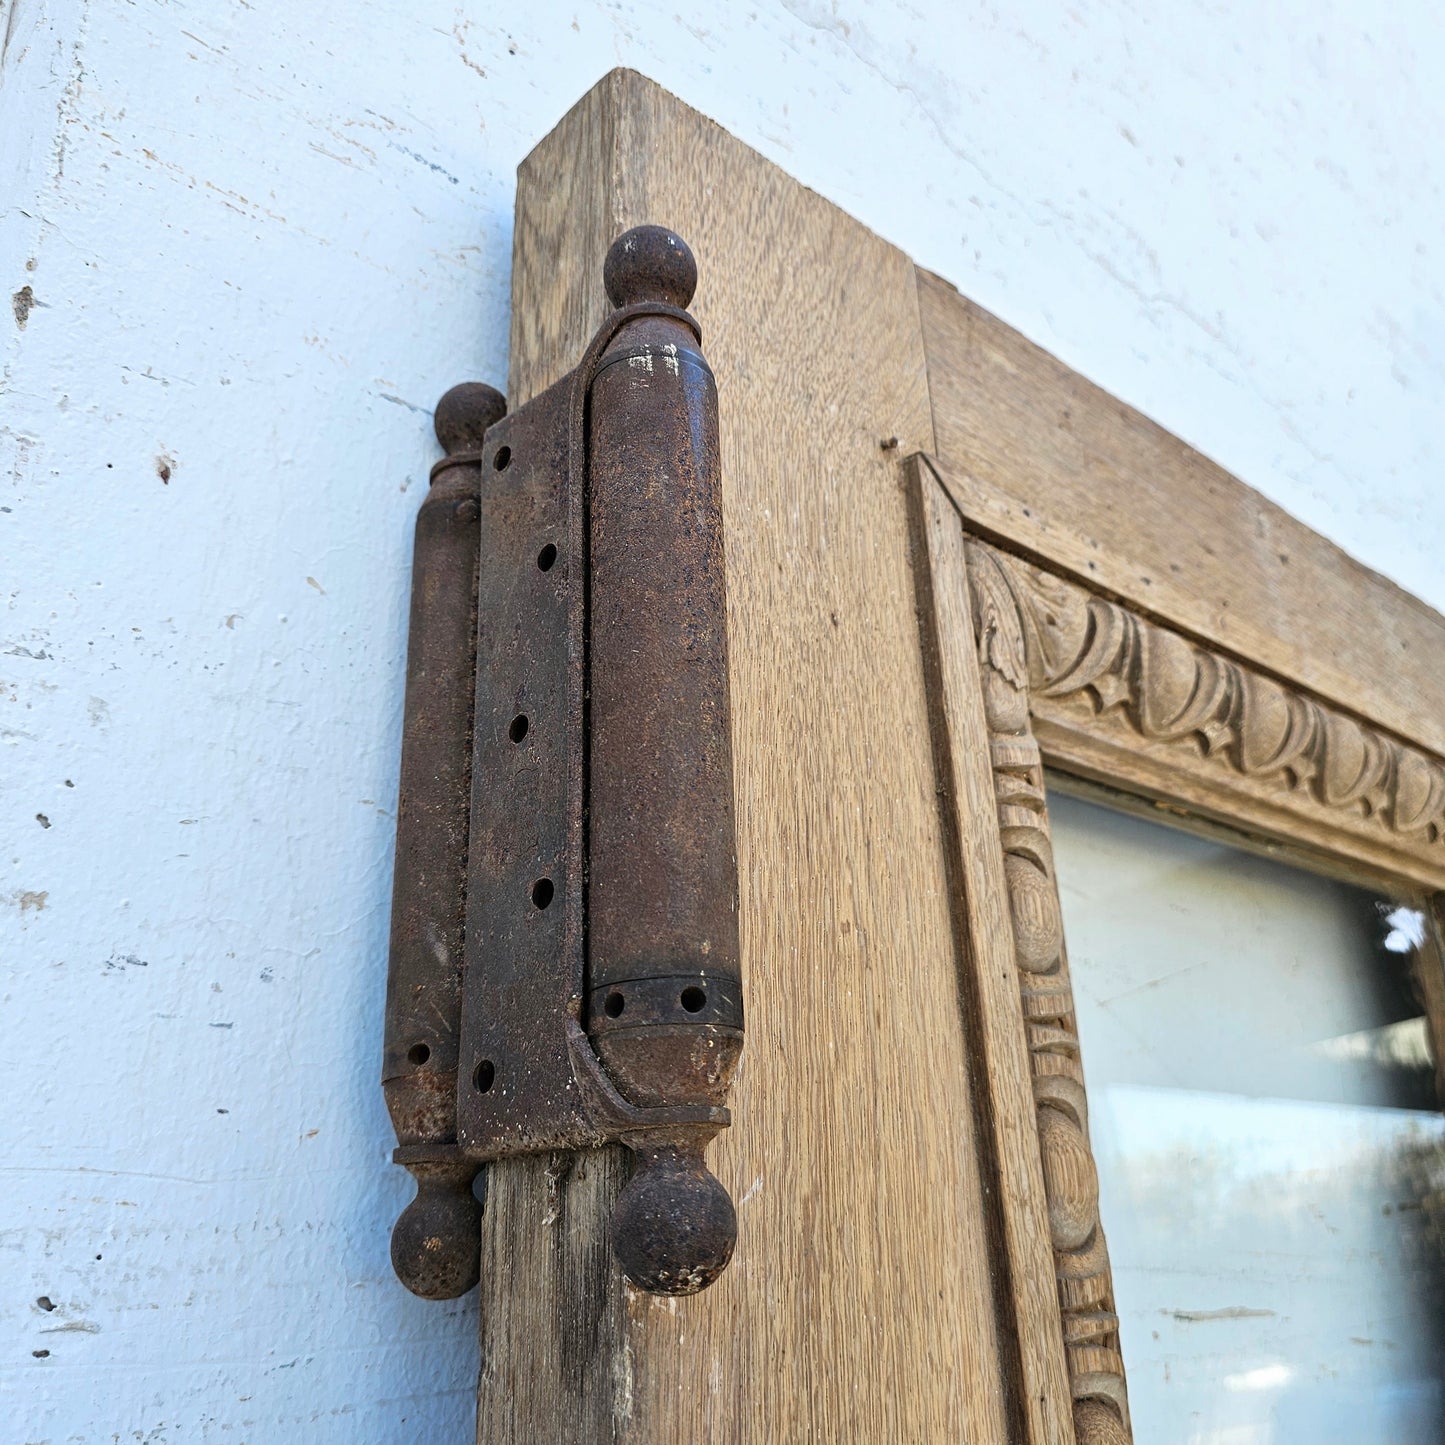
(1081, 1257)
(1078, 678)
(1116, 695)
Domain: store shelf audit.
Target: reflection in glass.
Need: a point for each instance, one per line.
(1265, 1121)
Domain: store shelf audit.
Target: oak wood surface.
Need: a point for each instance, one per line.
(1034, 454)
(1123, 700)
(859, 1306)
(985, 618)
(1193, 784)
(1428, 970)
(989, 966)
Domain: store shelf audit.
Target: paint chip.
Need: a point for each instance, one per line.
(1236, 1312)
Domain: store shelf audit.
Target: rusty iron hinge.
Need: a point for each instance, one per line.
(564, 948)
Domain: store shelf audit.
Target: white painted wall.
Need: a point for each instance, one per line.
(260, 238)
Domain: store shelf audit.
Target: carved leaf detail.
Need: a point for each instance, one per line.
(1419, 793)
(996, 620)
(1170, 690)
(1063, 635)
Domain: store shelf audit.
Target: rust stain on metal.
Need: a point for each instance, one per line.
(662, 929)
(565, 959)
(435, 1248)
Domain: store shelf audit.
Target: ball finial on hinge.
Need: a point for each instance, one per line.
(649, 263)
(436, 1243)
(674, 1226)
(464, 413)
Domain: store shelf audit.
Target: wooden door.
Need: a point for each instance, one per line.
(919, 1251)
(860, 1305)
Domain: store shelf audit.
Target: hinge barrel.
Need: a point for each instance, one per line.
(664, 980)
(424, 977)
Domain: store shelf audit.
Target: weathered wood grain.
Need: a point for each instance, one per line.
(860, 1304)
(980, 617)
(1428, 970)
(1034, 454)
(1122, 700)
(988, 963)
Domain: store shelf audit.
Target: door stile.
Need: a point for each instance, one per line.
(860, 1304)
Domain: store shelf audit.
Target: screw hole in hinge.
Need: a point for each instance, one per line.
(484, 1076)
(693, 1000)
(502, 458)
(418, 1054)
(614, 1005)
(546, 557)
(542, 892)
(518, 729)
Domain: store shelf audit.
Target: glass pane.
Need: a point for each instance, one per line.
(1264, 1117)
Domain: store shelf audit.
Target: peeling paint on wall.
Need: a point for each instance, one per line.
(21, 304)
